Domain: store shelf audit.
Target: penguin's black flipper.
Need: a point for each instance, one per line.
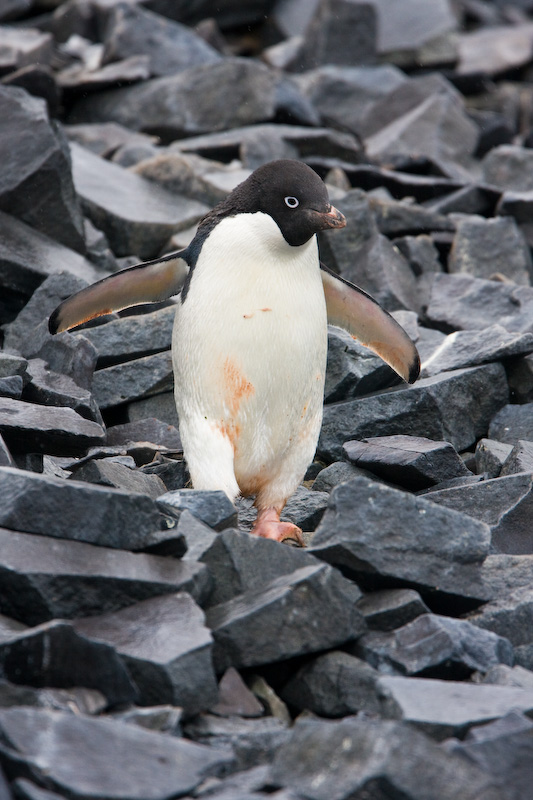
(150, 282)
(358, 313)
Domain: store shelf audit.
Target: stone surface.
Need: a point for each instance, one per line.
(484, 248)
(235, 698)
(388, 609)
(145, 430)
(124, 758)
(50, 388)
(136, 216)
(133, 380)
(107, 472)
(45, 579)
(435, 552)
(512, 423)
(490, 456)
(413, 462)
(133, 336)
(274, 622)
(508, 167)
(352, 370)
(212, 507)
(165, 647)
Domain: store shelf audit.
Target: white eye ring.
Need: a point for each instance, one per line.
(292, 202)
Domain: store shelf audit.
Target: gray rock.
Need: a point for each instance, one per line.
(6, 459)
(411, 461)
(399, 217)
(334, 684)
(36, 181)
(508, 616)
(509, 167)
(336, 473)
(305, 508)
(512, 423)
(420, 410)
(405, 32)
(173, 472)
(435, 646)
(502, 503)
(502, 675)
(52, 291)
(136, 216)
(193, 101)
(170, 47)
(254, 741)
(145, 430)
(438, 129)
(133, 336)
(346, 94)
(352, 370)
(339, 32)
(47, 387)
(235, 698)
(11, 387)
(92, 514)
(495, 50)
(420, 252)
(462, 302)
(469, 348)
(165, 647)
(448, 708)
(275, 622)
(389, 609)
(440, 553)
(501, 749)
(520, 459)
(212, 507)
(162, 406)
(520, 376)
(82, 78)
(11, 365)
(43, 579)
(21, 47)
(12, 9)
(503, 573)
(138, 378)
(108, 137)
(77, 700)
(21, 273)
(487, 247)
(40, 428)
(106, 472)
(361, 253)
(162, 718)
(69, 354)
(518, 205)
(490, 456)
(55, 655)
(116, 749)
(350, 758)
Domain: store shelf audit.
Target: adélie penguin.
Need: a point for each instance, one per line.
(250, 337)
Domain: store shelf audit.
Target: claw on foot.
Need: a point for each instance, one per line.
(269, 526)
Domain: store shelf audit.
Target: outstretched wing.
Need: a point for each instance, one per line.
(144, 283)
(350, 308)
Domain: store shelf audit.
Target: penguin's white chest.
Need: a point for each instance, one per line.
(249, 349)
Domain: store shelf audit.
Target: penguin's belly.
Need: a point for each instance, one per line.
(249, 350)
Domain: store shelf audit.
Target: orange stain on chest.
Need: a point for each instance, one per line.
(236, 389)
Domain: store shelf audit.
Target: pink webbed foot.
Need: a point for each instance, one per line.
(269, 526)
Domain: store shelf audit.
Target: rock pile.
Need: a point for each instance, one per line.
(150, 648)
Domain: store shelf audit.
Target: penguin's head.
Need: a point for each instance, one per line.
(293, 195)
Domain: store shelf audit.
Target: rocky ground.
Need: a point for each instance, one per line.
(150, 648)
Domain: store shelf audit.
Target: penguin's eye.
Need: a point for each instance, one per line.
(292, 202)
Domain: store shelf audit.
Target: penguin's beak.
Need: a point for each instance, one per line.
(331, 219)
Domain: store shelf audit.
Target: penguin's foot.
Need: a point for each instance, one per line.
(269, 526)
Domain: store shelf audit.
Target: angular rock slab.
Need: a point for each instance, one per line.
(487, 247)
(36, 428)
(510, 616)
(434, 645)
(448, 708)
(214, 508)
(389, 609)
(133, 336)
(165, 647)
(334, 684)
(512, 423)
(353, 759)
(308, 610)
(73, 510)
(424, 409)
(505, 504)
(103, 757)
(55, 655)
(137, 216)
(44, 578)
(411, 461)
(374, 534)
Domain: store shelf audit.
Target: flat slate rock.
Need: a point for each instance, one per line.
(54, 654)
(509, 167)
(333, 684)
(133, 336)
(422, 409)
(137, 216)
(145, 430)
(374, 533)
(275, 622)
(461, 302)
(50, 388)
(388, 609)
(520, 459)
(352, 369)
(411, 461)
(133, 380)
(192, 102)
(370, 753)
(433, 645)
(448, 708)
(469, 348)
(235, 698)
(510, 615)
(76, 700)
(165, 647)
(513, 423)
(93, 514)
(503, 503)
(107, 472)
(212, 507)
(487, 247)
(37, 428)
(490, 456)
(44, 578)
(124, 758)
(36, 184)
